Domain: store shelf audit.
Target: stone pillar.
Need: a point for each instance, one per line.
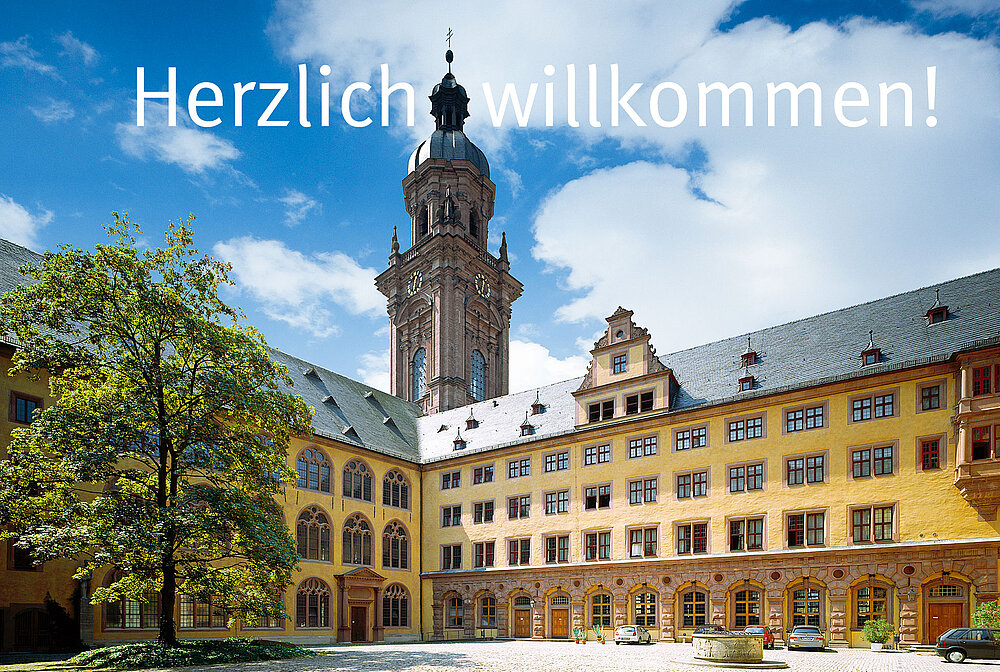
(963, 447)
(85, 610)
(775, 618)
(839, 615)
(502, 631)
(378, 630)
(909, 610)
(469, 618)
(667, 633)
(578, 615)
(621, 610)
(718, 602)
(538, 619)
(343, 618)
(438, 611)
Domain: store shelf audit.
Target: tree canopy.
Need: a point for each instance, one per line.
(163, 452)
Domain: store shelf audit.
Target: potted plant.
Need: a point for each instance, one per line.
(579, 636)
(878, 632)
(599, 633)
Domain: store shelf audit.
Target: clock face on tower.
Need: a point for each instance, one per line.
(416, 280)
(482, 285)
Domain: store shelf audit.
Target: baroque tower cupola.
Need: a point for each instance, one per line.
(449, 299)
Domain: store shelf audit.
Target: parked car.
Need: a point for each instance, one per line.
(709, 630)
(632, 634)
(957, 644)
(806, 637)
(761, 630)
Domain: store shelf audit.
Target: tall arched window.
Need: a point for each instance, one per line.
(645, 609)
(314, 470)
(396, 490)
(695, 608)
(456, 612)
(357, 541)
(746, 608)
(422, 221)
(395, 607)
(600, 610)
(488, 612)
(477, 381)
(312, 531)
(312, 604)
(871, 601)
(419, 383)
(395, 546)
(473, 223)
(806, 604)
(129, 613)
(357, 481)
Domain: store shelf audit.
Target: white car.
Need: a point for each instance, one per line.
(806, 637)
(632, 634)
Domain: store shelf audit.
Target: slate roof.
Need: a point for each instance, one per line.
(807, 352)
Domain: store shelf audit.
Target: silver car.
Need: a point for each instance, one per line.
(806, 637)
(632, 634)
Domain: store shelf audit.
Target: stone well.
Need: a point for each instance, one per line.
(729, 647)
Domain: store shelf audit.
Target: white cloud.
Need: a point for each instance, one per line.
(957, 7)
(298, 289)
(192, 149)
(374, 369)
(298, 206)
(18, 54)
(20, 226)
(532, 365)
(56, 110)
(72, 46)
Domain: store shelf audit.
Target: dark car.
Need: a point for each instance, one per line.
(806, 637)
(957, 644)
(761, 630)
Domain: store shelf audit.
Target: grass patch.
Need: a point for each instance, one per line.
(200, 652)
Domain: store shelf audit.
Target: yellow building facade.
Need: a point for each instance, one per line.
(823, 472)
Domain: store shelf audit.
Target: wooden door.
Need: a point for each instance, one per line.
(560, 623)
(941, 616)
(359, 624)
(522, 622)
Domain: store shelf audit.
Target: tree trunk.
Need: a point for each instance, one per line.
(168, 599)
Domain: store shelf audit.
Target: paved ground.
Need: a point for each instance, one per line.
(592, 657)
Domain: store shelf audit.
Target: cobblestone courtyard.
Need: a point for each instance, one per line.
(522, 656)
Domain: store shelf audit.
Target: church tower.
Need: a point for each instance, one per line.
(449, 300)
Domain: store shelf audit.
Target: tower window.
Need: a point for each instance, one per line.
(419, 387)
(422, 222)
(473, 224)
(477, 381)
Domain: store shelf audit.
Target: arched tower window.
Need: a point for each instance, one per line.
(357, 481)
(395, 607)
(314, 470)
(422, 228)
(357, 541)
(395, 490)
(395, 547)
(419, 386)
(312, 604)
(473, 223)
(477, 382)
(312, 532)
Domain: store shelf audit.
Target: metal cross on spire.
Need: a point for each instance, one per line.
(448, 37)
(448, 56)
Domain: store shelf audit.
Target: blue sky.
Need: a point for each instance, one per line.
(706, 232)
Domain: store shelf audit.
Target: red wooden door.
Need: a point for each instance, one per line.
(942, 616)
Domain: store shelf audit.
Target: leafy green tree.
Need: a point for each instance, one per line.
(987, 614)
(163, 452)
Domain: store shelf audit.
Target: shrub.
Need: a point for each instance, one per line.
(987, 615)
(878, 631)
(201, 652)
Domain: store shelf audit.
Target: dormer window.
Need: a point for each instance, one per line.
(471, 422)
(746, 383)
(871, 355)
(460, 444)
(748, 359)
(939, 314)
(527, 429)
(537, 407)
(619, 363)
